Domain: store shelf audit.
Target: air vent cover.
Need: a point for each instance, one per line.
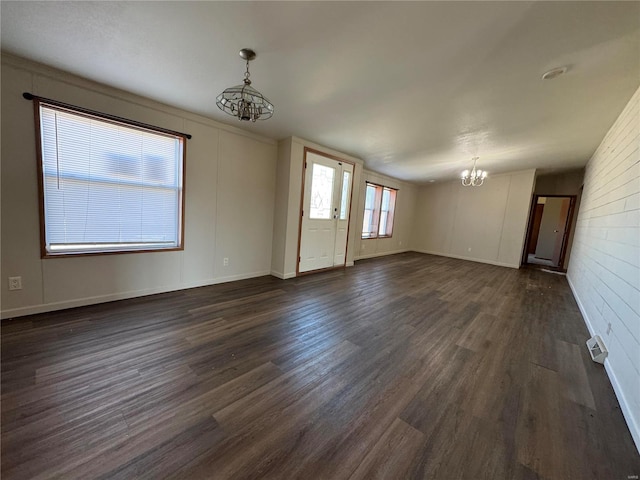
(597, 350)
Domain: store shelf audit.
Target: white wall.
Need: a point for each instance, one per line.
(229, 206)
(565, 183)
(281, 214)
(403, 221)
(484, 224)
(604, 271)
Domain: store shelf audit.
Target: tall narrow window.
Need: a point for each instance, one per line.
(108, 186)
(344, 196)
(387, 207)
(379, 209)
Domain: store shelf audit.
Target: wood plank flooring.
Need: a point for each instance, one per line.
(405, 367)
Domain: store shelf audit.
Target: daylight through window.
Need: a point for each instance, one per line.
(108, 186)
(379, 208)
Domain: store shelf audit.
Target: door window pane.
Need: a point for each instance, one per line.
(321, 192)
(344, 199)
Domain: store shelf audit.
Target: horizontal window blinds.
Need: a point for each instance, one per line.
(108, 186)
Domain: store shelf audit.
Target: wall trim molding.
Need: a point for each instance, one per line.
(286, 276)
(327, 150)
(381, 254)
(470, 259)
(86, 301)
(624, 406)
(282, 276)
(387, 178)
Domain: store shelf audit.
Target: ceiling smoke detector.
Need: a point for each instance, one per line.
(554, 73)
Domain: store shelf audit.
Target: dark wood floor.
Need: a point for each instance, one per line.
(409, 366)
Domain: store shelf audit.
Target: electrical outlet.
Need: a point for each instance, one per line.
(469, 249)
(15, 283)
(225, 261)
(400, 243)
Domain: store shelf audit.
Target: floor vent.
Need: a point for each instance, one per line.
(597, 349)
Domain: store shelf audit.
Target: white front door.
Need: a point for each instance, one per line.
(325, 212)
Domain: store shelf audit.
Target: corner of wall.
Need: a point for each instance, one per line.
(280, 217)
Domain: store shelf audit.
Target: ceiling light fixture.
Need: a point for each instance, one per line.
(244, 101)
(473, 178)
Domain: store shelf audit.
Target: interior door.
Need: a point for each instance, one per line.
(535, 228)
(562, 230)
(325, 212)
(552, 228)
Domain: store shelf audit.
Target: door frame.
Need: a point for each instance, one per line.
(567, 228)
(304, 173)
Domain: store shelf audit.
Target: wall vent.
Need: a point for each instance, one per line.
(597, 350)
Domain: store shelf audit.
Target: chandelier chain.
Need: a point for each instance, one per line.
(247, 81)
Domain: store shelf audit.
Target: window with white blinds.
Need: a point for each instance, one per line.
(108, 186)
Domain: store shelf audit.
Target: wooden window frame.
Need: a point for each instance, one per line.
(377, 210)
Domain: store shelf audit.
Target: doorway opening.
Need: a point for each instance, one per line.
(549, 231)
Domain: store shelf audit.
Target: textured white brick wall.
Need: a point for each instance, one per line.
(604, 271)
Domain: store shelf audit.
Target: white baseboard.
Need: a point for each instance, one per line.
(282, 276)
(632, 424)
(381, 254)
(470, 259)
(82, 302)
(285, 276)
(585, 317)
(233, 278)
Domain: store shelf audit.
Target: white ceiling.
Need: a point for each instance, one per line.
(416, 89)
